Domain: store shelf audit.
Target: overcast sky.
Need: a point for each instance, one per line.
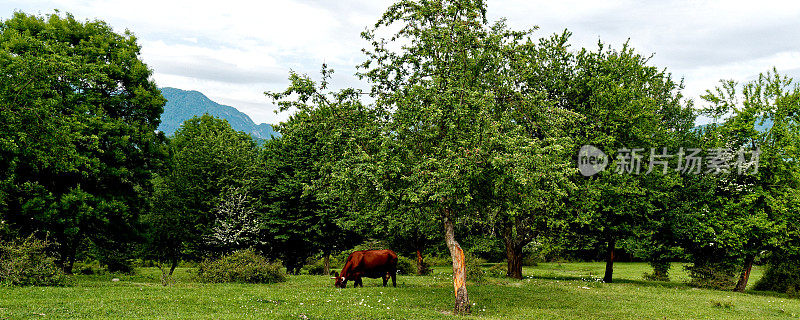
(235, 50)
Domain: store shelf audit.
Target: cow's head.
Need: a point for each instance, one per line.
(341, 282)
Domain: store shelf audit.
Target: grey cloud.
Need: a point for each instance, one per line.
(260, 112)
(681, 35)
(217, 70)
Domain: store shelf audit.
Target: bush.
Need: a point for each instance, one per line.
(241, 266)
(530, 261)
(426, 268)
(315, 268)
(87, 268)
(443, 261)
(406, 266)
(474, 271)
(498, 270)
(660, 271)
(26, 263)
(142, 263)
(117, 264)
(712, 276)
(782, 275)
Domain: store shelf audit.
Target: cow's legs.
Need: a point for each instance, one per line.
(358, 282)
(394, 279)
(385, 278)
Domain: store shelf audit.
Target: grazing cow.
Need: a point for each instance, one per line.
(370, 264)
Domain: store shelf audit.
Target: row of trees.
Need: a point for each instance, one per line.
(470, 128)
(476, 124)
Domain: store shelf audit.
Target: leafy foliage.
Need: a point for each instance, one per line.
(474, 269)
(26, 262)
(306, 212)
(204, 192)
(406, 266)
(244, 266)
(78, 141)
(782, 275)
(712, 275)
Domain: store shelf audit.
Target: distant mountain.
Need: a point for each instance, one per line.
(182, 105)
(760, 128)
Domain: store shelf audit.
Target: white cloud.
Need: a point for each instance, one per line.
(234, 50)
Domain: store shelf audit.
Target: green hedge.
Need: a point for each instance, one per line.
(241, 266)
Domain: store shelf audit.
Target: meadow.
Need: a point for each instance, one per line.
(549, 291)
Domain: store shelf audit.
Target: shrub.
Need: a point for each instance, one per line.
(86, 268)
(426, 268)
(241, 266)
(406, 266)
(782, 275)
(441, 261)
(26, 263)
(315, 268)
(142, 263)
(660, 272)
(498, 270)
(474, 271)
(712, 276)
(116, 263)
(530, 261)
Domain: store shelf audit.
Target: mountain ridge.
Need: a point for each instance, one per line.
(182, 105)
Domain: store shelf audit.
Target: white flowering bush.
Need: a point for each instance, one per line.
(237, 225)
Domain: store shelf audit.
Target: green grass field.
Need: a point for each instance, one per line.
(550, 291)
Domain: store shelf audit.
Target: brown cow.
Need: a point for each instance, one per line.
(370, 264)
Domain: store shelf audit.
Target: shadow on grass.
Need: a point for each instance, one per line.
(644, 283)
(652, 284)
(773, 294)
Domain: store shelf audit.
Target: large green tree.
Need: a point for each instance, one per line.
(78, 141)
(756, 171)
(307, 213)
(211, 168)
(437, 77)
(527, 179)
(626, 104)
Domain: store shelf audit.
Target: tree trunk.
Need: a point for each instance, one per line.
(459, 269)
(609, 276)
(745, 276)
(326, 263)
(67, 268)
(420, 263)
(513, 255)
(68, 255)
(173, 266)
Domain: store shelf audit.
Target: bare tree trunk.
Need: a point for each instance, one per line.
(609, 276)
(513, 254)
(459, 269)
(745, 276)
(326, 263)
